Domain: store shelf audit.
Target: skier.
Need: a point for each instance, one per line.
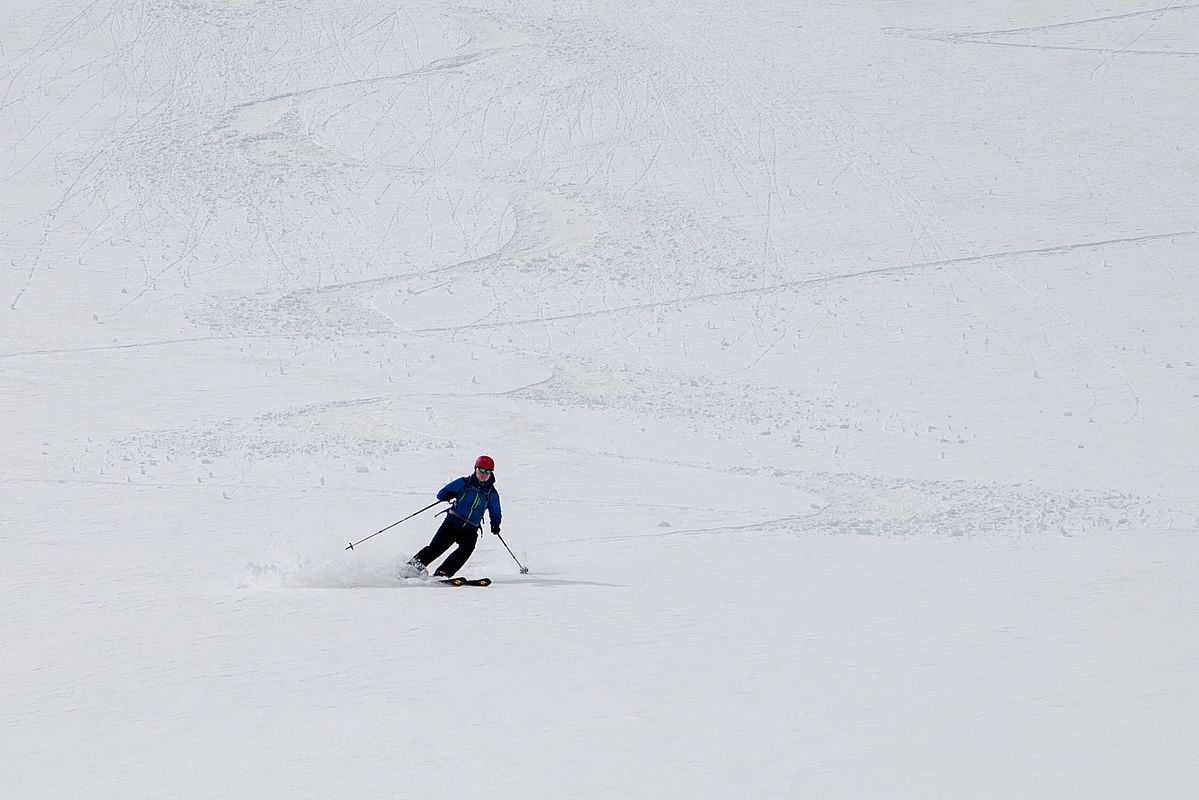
(471, 495)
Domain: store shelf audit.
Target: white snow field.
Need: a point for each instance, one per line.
(840, 361)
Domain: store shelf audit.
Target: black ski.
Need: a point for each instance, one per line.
(466, 581)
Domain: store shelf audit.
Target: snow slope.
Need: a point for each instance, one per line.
(840, 363)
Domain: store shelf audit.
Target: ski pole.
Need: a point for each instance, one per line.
(523, 569)
(392, 525)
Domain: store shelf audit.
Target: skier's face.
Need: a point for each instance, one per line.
(482, 474)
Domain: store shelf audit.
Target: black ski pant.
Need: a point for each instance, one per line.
(454, 530)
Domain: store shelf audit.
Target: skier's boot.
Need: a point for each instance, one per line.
(413, 569)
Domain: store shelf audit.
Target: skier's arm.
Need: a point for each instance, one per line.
(451, 490)
(493, 510)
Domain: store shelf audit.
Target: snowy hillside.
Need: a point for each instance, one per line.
(840, 362)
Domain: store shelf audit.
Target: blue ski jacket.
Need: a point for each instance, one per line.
(471, 498)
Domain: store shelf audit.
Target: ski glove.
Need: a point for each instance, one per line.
(495, 528)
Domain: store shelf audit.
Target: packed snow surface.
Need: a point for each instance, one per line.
(840, 362)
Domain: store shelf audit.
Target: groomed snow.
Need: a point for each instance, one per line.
(840, 362)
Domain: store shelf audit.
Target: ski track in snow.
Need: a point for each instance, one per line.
(669, 304)
(992, 38)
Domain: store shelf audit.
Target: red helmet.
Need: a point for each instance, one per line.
(485, 462)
